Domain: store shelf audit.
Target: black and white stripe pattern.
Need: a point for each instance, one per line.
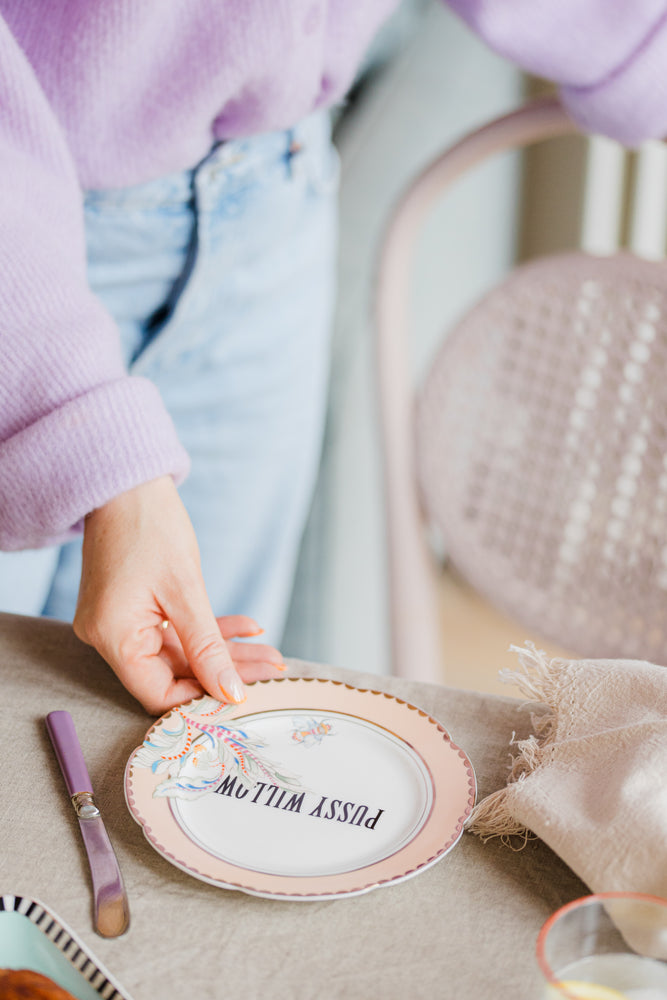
(63, 940)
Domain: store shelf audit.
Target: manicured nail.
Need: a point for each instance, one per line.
(231, 687)
(280, 666)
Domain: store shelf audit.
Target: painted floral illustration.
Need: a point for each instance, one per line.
(196, 752)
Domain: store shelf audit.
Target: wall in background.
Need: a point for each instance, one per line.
(442, 83)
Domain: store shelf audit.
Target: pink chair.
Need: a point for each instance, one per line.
(537, 445)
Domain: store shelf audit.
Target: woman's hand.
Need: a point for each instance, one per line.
(141, 568)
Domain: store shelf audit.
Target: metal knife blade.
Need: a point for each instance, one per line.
(112, 913)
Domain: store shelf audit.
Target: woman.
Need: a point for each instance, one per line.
(178, 312)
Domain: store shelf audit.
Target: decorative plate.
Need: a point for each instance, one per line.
(311, 789)
(33, 937)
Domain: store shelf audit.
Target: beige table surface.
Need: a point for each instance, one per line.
(464, 929)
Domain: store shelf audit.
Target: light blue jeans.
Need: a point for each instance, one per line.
(221, 280)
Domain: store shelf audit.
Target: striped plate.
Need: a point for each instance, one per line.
(33, 937)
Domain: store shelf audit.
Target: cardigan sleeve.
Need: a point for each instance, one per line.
(75, 429)
(609, 57)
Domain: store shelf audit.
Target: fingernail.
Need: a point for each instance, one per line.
(257, 631)
(280, 666)
(231, 687)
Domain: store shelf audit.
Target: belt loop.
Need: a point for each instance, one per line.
(294, 147)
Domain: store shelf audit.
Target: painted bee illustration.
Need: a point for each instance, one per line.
(311, 732)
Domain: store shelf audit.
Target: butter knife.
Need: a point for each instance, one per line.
(112, 913)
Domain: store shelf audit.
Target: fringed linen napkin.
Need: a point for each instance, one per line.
(592, 781)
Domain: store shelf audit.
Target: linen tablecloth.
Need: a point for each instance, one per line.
(464, 929)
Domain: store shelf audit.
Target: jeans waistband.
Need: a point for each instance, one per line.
(226, 157)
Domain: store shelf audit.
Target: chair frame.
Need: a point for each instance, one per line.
(414, 625)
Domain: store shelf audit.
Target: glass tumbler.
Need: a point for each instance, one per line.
(610, 946)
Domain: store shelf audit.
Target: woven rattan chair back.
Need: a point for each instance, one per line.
(537, 445)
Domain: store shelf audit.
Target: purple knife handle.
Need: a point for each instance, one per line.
(60, 726)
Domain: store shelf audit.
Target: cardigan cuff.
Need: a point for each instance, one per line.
(629, 105)
(75, 459)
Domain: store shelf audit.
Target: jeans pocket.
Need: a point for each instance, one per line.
(316, 157)
(325, 173)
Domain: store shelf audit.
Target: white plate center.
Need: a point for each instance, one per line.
(360, 794)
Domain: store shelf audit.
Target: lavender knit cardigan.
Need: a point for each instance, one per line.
(106, 93)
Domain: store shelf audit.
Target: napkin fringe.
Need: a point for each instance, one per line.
(493, 816)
